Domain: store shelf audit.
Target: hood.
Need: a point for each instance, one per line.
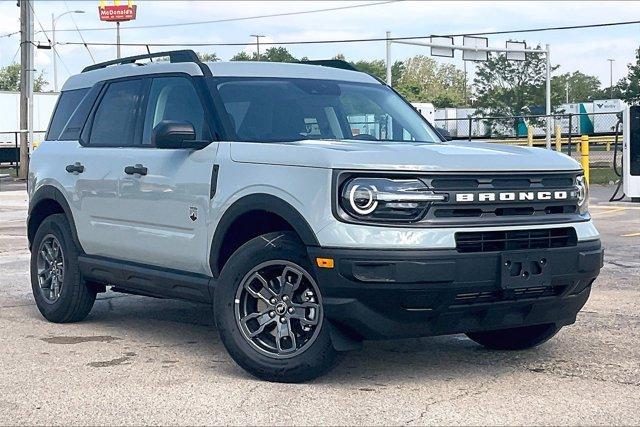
(456, 156)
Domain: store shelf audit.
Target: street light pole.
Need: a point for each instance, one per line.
(257, 36)
(548, 99)
(388, 59)
(53, 45)
(610, 77)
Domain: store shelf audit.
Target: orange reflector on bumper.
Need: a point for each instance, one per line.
(324, 262)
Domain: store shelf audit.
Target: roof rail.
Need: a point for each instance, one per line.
(186, 55)
(333, 63)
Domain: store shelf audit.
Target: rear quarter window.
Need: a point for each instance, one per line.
(67, 103)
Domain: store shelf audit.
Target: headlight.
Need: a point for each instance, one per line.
(583, 195)
(386, 199)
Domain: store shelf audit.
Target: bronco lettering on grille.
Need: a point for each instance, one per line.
(511, 196)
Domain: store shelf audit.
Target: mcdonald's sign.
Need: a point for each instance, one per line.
(117, 12)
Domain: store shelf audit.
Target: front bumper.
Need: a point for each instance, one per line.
(374, 294)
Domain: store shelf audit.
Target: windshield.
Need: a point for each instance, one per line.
(279, 109)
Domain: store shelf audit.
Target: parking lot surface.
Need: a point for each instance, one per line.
(138, 360)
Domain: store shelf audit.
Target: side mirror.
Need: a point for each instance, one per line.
(173, 134)
(444, 134)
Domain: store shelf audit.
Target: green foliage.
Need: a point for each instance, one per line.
(424, 80)
(628, 88)
(582, 88)
(510, 88)
(272, 54)
(208, 57)
(10, 79)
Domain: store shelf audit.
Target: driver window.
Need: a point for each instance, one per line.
(173, 98)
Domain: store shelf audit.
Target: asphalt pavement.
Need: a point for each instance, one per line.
(138, 360)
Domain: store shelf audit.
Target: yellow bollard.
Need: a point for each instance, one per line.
(530, 136)
(584, 156)
(558, 138)
(608, 145)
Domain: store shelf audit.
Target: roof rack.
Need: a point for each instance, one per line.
(185, 55)
(333, 63)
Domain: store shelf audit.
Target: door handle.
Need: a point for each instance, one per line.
(75, 168)
(137, 169)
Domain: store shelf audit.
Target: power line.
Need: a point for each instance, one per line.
(48, 39)
(363, 40)
(245, 18)
(79, 32)
(10, 34)
(536, 30)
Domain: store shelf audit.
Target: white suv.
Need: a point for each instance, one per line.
(310, 204)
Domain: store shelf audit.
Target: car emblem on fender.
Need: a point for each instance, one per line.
(193, 213)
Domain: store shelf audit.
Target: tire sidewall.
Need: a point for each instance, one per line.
(58, 226)
(317, 358)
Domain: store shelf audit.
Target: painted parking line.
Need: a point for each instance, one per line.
(591, 206)
(631, 235)
(609, 211)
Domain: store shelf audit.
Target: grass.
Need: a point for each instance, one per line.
(8, 170)
(602, 176)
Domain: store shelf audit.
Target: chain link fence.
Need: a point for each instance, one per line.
(566, 132)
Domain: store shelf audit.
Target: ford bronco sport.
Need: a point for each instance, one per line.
(310, 204)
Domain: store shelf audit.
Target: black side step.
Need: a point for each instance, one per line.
(147, 280)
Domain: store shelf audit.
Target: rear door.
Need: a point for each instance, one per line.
(163, 213)
(110, 129)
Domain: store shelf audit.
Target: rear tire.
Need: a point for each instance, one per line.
(515, 338)
(61, 295)
(268, 311)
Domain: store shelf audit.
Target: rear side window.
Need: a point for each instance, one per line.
(114, 121)
(67, 104)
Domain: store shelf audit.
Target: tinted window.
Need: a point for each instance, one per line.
(114, 121)
(294, 109)
(173, 98)
(67, 104)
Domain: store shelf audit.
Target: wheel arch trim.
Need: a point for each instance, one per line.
(49, 192)
(258, 202)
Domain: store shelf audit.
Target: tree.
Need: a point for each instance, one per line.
(208, 57)
(628, 89)
(378, 68)
(424, 80)
(510, 88)
(272, 54)
(10, 79)
(581, 87)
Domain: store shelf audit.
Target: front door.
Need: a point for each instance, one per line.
(164, 194)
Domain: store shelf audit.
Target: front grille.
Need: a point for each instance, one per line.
(493, 241)
(528, 209)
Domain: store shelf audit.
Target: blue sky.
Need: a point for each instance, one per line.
(584, 50)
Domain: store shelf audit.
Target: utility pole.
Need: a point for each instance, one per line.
(257, 36)
(388, 58)
(26, 85)
(566, 91)
(548, 97)
(118, 39)
(610, 77)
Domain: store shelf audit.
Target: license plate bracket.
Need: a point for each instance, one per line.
(524, 270)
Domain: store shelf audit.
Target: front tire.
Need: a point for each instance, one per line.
(60, 293)
(268, 311)
(515, 338)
